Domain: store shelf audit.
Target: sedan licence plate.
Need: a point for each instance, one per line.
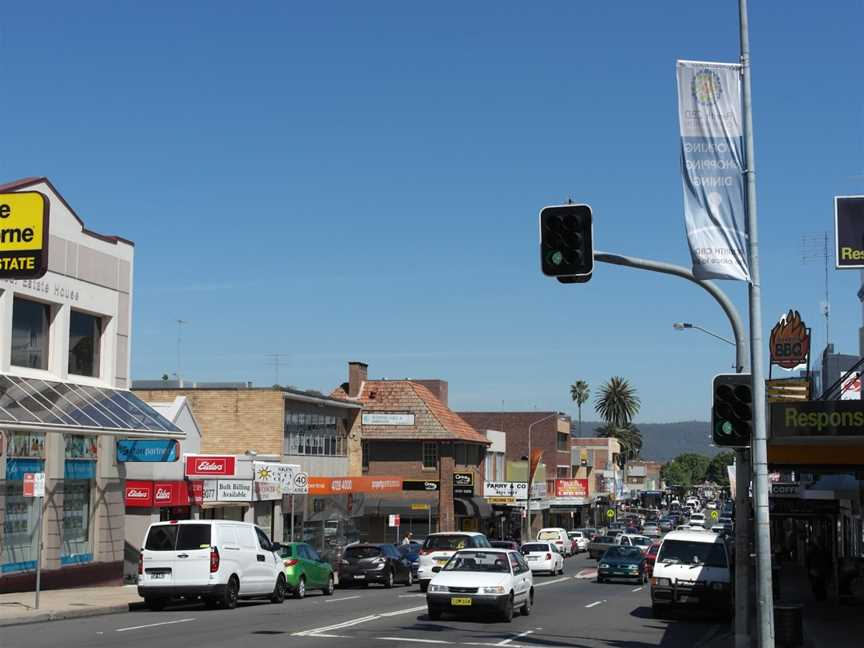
(359, 576)
(460, 600)
(158, 575)
(441, 561)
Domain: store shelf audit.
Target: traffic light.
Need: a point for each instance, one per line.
(732, 410)
(567, 242)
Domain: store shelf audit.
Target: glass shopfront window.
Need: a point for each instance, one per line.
(78, 472)
(30, 333)
(85, 338)
(315, 434)
(25, 452)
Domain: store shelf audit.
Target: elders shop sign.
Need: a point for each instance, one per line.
(23, 235)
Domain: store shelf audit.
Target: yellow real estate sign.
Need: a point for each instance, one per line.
(23, 235)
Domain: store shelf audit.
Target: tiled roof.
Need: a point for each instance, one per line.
(432, 418)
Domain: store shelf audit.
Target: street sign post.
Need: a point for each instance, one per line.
(34, 486)
(394, 521)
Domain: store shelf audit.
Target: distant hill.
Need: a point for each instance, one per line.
(665, 441)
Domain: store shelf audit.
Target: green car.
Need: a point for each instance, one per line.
(305, 570)
(622, 562)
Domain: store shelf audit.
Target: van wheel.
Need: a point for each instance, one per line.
(155, 604)
(328, 591)
(278, 595)
(229, 596)
(300, 592)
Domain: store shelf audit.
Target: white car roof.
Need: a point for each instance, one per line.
(692, 536)
(485, 550)
(473, 534)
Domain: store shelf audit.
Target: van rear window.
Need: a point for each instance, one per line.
(547, 535)
(180, 536)
(447, 542)
(688, 552)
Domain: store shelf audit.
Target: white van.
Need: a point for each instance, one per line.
(216, 560)
(559, 537)
(692, 571)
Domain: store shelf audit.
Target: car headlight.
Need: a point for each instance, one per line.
(661, 582)
(437, 588)
(604, 565)
(719, 586)
(632, 567)
(498, 589)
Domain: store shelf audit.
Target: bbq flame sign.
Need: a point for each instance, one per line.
(790, 341)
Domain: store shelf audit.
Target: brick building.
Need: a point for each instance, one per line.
(596, 459)
(407, 431)
(550, 433)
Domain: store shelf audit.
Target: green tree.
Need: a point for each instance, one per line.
(617, 403)
(686, 469)
(629, 436)
(716, 471)
(675, 474)
(579, 393)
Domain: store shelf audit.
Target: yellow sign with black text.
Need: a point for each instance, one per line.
(23, 235)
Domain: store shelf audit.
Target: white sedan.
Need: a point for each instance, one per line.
(474, 580)
(580, 542)
(543, 556)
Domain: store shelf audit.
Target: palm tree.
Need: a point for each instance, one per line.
(579, 392)
(617, 403)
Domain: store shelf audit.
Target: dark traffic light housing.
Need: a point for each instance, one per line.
(567, 242)
(732, 410)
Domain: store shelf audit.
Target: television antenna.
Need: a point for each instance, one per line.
(814, 249)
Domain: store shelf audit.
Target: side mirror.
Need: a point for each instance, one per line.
(436, 569)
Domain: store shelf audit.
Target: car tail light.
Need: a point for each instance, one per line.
(548, 556)
(140, 562)
(214, 560)
(293, 561)
(423, 552)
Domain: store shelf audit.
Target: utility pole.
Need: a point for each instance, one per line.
(180, 324)
(759, 445)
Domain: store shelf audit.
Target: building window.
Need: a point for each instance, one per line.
(473, 458)
(563, 472)
(430, 454)
(461, 454)
(30, 333)
(365, 446)
(315, 434)
(85, 339)
(563, 442)
(76, 521)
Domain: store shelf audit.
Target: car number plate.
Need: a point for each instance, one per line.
(532, 558)
(441, 561)
(687, 599)
(158, 575)
(460, 601)
(360, 577)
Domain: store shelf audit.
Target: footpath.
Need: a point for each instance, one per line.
(17, 608)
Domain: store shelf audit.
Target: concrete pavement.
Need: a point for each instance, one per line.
(18, 608)
(569, 612)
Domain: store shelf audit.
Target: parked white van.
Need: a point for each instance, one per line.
(216, 560)
(692, 571)
(559, 537)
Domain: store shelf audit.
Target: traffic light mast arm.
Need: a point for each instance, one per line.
(680, 271)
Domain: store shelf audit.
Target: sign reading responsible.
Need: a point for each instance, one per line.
(23, 235)
(849, 231)
(844, 418)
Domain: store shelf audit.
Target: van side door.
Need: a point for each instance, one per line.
(267, 561)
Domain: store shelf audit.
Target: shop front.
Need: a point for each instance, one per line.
(570, 508)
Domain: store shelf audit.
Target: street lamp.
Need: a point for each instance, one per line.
(680, 326)
(530, 480)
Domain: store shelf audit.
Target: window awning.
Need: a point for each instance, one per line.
(50, 406)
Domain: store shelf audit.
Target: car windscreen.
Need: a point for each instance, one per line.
(548, 535)
(359, 553)
(641, 541)
(623, 552)
(605, 539)
(180, 536)
(535, 547)
(688, 552)
(477, 561)
(446, 542)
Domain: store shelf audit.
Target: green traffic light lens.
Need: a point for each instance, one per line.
(727, 428)
(557, 258)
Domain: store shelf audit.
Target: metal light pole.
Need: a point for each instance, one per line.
(759, 445)
(530, 479)
(681, 326)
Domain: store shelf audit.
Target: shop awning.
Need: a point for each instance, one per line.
(51, 406)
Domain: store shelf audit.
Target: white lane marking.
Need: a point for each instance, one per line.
(327, 636)
(518, 636)
(585, 574)
(153, 625)
(411, 595)
(637, 589)
(552, 582)
(590, 605)
(353, 622)
(412, 640)
(405, 611)
(344, 598)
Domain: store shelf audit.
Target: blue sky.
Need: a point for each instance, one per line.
(361, 181)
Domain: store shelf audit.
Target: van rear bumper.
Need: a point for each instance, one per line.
(176, 591)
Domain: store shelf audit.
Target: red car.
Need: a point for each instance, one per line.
(650, 557)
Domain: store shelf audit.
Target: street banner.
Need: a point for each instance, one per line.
(712, 168)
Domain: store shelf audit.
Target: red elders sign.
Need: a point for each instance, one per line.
(210, 466)
(138, 494)
(571, 488)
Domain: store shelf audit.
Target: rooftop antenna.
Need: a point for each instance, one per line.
(276, 360)
(814, 248)
(180, 324)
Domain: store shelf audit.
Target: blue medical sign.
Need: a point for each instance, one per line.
(151, 450)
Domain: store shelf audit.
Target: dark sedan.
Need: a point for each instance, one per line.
(622, 562)
(505, 544)
(362, 564)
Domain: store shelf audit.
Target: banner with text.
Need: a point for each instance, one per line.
(712, 168)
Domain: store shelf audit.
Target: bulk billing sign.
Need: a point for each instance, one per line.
(23, 235)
